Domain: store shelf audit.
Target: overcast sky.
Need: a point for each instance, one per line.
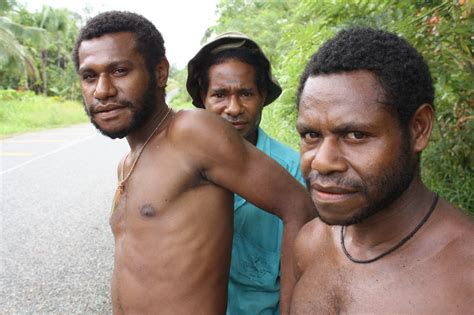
(181, 22)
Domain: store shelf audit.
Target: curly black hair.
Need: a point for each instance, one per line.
(149, 41)
(244, 54)
(401, 71)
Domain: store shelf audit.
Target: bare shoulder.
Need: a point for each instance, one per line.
(456, 223)
(314, 239)
(210, 143)
(315, 232)
(198, 125)
(454, 230)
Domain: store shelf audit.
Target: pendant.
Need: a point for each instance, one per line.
(117, 197)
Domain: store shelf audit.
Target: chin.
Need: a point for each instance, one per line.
(111, 133)
(337, 215)
(331, 220)
(346, 217)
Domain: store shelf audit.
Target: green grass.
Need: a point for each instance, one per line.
(25, 111)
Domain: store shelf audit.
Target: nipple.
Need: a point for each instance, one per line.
(147, 211)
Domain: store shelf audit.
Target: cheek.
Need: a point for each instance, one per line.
(214, 108)
(306, 157)
(256, 114)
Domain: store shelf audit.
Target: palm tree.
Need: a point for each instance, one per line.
(15, 57)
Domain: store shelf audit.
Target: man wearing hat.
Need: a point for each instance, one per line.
(231, 76)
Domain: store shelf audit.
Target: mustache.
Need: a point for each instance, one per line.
(91, 108)
(233, 119)
(334, 179)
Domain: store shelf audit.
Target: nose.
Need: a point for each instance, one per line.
(234, 107)
(327, 158)
(104, 88)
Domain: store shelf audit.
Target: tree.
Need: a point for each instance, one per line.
(14, 57)
(44, 41)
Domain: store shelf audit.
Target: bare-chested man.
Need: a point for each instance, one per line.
(384, 243)
(172, 212)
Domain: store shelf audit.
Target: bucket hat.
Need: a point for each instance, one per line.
(225, 41)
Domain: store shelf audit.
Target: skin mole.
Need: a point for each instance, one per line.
(147, 211)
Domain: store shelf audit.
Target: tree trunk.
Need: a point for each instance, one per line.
(44, 64)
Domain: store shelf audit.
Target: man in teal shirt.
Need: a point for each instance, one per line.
(231, 76)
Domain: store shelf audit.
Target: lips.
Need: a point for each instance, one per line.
(108, 111)
(107, 108)
(238, 124)
(332, 193)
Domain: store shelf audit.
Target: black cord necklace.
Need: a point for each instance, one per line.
(398, 245)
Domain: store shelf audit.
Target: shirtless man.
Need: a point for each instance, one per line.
(231, 77)
(384, 243)
(172, 212)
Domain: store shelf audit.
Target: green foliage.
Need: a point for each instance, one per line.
(177, 86)
(291, 31)
(25, 111)
(43, 42)
(15, 59)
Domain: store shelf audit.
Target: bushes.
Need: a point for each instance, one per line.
(25, 111)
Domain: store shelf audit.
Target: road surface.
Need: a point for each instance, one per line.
(56, 248)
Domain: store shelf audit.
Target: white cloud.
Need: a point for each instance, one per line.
(181, 22)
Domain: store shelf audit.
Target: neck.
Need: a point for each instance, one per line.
(138, 137)
(253, 137)
(389, 225)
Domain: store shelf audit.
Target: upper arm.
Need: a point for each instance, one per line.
(231, 162)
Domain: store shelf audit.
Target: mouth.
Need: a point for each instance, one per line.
(238, 124)
(108, 111)
(327, 194)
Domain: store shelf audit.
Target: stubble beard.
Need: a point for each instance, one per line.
(140, 114)
(379, 191)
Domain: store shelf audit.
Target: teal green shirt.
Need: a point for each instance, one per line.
(254, 284)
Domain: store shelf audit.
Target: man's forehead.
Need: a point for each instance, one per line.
(110, 41)
(350, 88)
(342, 98)
(118, 46)
(232, 73)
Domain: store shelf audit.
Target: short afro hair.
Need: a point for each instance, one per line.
(149, 42)
(401, 71)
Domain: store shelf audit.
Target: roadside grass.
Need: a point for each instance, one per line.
(25, 111)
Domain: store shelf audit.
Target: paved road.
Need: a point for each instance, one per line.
(56, 248)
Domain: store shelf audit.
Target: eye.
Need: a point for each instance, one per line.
(120, 71)
(356, 135)
(218, 95)
(246, 93)
(88, 76)
(310, 136)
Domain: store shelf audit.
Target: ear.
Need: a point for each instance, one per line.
(264, 95)
(161, 72)
(421, 127)
(203, 97)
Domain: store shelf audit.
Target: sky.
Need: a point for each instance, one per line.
(181, 22)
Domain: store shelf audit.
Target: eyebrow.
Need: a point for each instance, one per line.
(113, 64)
(301, 126)
(342, 128)
(216, 90)
(351, 126)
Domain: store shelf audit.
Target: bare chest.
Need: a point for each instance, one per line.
(167, 190)
(420, 287)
